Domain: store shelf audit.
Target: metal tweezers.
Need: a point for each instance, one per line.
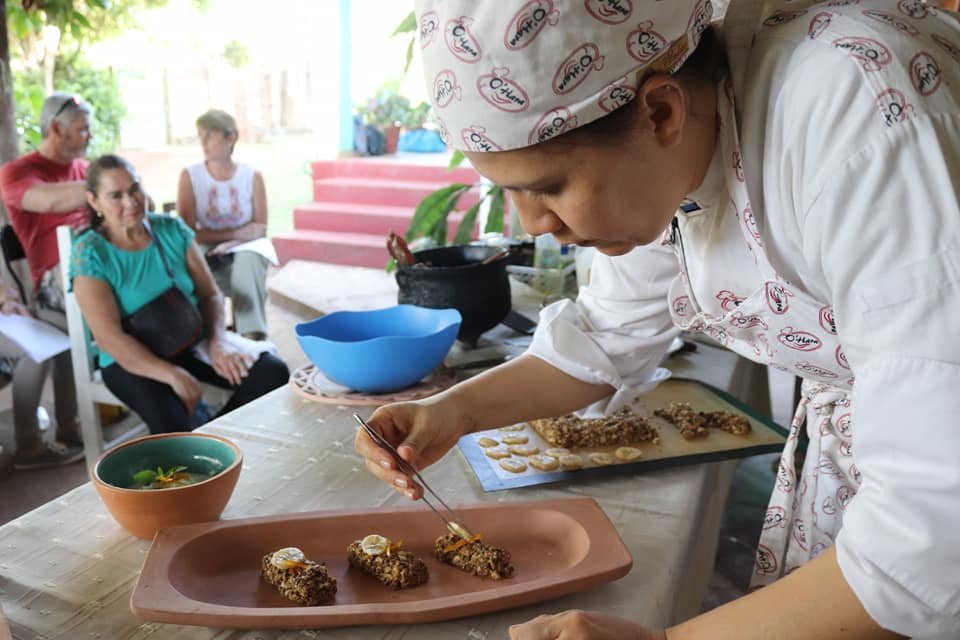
(452, 524)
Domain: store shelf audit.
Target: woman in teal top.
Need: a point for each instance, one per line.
(117, 268)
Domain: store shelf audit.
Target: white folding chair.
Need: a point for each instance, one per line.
(90, 386)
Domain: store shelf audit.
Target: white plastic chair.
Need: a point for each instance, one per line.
(90, 386)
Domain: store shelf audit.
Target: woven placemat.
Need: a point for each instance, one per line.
(309, 382)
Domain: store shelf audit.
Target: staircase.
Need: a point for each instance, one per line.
(357, 201)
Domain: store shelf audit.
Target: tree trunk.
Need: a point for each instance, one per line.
(8, 128)
(167, 117)
(266, 102)
(240, 100)
(51, 49)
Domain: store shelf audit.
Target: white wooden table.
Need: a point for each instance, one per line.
(67, 569)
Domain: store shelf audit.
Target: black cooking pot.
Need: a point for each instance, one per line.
(456, 278)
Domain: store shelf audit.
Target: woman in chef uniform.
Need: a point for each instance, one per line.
(817, 166)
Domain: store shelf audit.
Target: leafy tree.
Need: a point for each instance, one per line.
(47, 37)
(236, 54)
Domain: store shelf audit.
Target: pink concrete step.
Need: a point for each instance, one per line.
(337, 247)
(383, 191)
(374, 219)
(395, 168)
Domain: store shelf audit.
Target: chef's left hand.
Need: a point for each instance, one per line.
(582, 625)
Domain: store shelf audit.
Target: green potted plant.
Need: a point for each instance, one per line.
(428, 227)
(387, 110)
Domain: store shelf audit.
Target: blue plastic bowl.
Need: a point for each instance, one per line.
(382, 350)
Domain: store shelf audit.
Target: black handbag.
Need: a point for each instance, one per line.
(12, 251)
(169, 324)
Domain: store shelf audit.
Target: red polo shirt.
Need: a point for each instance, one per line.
(37, 231)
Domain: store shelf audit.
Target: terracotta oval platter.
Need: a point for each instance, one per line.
(208, 574)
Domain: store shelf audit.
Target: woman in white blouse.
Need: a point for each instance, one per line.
(225, 202)
(819, 165)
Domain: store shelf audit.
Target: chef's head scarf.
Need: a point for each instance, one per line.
(505, 74)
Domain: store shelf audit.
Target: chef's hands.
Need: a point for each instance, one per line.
(422, 431)
(582, 625)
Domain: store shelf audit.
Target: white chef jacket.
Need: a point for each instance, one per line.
(864, 215)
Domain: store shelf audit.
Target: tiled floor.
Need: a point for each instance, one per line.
(21, 491)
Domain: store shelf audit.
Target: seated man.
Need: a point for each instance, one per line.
(32, 451)
(44, 189)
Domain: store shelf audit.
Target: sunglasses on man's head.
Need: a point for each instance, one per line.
(74, 101)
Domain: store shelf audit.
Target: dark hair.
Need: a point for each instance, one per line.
(706, 64)
(95, 171)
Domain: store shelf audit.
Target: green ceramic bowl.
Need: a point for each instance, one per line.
(143, 512)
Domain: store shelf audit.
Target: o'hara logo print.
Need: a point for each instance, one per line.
(799, 533)
(854, 473)
(738, 165)
(475, 138)
(845, 425)
(841, 358)
(947, 46)
(700, 18)
(576, 67)
(766, 562)
(527, 23)
(444, 131)
(846, 449)
(893, 107)
(914, 8)
(778, 298)
(827, 467)
(829, 506)
(428, 26)
(728, 299)
(818, 24)
(445, 89)
(461, 42)
(719, 334)
(845, 496)
(783, 17)
(501, 92)
(871, 54)
(925, 73)
(552, 124)
(814, 370)
(740, 321)
(799, 340)
(644, 44)
(681, 306)
(775, 517)
(785, 478)
(609, 11)
(893, 21)
(751, 223)
(826, 320)
(615, 95)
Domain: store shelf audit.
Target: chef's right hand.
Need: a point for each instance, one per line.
(422, 431)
